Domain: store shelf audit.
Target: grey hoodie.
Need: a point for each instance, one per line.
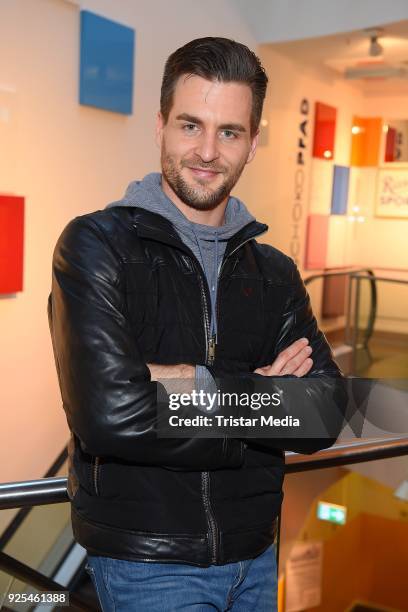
(206, 242)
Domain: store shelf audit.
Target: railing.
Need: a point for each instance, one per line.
(351, 335)
(357, 337)
(26, 495)
(46, 491)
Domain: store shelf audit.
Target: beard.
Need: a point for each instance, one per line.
(199, 197)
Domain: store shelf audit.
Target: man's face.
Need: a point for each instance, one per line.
(206, 141)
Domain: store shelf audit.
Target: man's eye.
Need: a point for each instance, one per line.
(189, 127)
(228, 134)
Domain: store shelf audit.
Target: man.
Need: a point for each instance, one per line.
(170, 283)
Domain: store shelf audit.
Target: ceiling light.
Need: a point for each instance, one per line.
(375, 48)
(355, 129)
(327, 154)
(264, 122)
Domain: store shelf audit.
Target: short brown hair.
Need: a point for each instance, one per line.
(215, 59)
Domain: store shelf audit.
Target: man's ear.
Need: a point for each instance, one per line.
(159, 128)
(254, 144)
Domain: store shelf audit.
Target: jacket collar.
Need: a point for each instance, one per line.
(155, 227)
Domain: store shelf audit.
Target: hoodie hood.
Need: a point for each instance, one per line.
(206, 242)
(149, 195)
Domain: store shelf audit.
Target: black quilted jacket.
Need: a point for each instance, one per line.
(125, 292)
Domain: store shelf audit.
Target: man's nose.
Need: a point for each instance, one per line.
(207, 148)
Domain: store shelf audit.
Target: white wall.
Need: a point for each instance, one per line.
(66, 160)
(271, 183)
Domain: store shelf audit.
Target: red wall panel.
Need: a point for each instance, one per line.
(390, 143)
(324, 131)
(317, 234)
(11, 243)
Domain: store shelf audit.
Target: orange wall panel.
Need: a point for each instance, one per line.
(366, 141)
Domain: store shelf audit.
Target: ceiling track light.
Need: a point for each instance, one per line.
(375, 49)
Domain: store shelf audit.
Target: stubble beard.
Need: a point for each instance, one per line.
(198, 199)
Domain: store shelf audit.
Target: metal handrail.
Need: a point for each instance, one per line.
(354, 273)
(46, 491)
(373, 278)
(373, 310)
(23, 512)
(347, 272)
(386, 279)
(39, 492)
(347, 454)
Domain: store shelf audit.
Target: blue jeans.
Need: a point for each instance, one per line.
(133, 586)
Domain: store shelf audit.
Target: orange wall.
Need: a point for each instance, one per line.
(366, 560)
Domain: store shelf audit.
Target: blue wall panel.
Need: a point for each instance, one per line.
(341, 177)
(106, 64)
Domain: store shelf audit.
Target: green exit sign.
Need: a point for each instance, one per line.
(331, 512)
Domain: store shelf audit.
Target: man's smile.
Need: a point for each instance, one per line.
(203, 173)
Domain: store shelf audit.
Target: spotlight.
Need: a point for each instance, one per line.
(375, 49)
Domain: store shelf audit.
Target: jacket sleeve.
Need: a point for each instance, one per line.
(109, 399)
(325, 398)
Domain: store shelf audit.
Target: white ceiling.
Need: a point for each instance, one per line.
(284, 20)
(351, 50)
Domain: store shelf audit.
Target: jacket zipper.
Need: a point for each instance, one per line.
(212, 524)
(95, 470)
(209, 358)
(205, 476)
(209, 342)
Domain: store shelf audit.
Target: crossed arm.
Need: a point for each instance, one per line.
(106, 388)
(295, 360)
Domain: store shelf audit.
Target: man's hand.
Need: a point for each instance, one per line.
(293, 360)
(181, 370)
